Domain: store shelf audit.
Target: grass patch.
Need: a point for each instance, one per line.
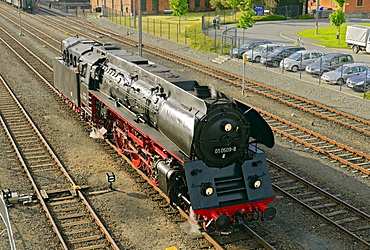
(328, 36)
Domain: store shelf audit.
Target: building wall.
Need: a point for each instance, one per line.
(150, 6)
(349, 6)
(357, 6)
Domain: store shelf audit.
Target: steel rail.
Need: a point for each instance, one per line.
(324, 193)
(24, 165)
(317, 148)
(252, 233)
(65, 173)
(32, 34)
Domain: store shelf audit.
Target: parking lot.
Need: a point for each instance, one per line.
(285, 32)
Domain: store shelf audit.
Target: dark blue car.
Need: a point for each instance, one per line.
(360, 83)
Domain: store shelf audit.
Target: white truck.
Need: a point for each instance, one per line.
(358, 38)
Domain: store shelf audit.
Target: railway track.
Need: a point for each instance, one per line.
(341, 153)
(73, 220)
(44, 38)
(333, 210)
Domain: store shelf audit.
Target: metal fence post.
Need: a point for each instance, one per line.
(186, 32)
(195, 35)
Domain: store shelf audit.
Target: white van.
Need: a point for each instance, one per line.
(300, 59)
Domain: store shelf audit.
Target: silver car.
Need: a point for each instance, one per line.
(300, 59)
(341, 74)
(262, 50)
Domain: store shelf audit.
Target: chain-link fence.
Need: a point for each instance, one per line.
(289, 11)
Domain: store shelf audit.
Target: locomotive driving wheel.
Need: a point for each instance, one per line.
(119, 140)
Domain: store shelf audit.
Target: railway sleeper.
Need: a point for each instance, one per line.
(363, 163)
(313, 199)
(325, 206)
(355, 159)
(67, 209)
(327, 146)
(361, 228)
(343, 155)
(293, 188)
(44, 169)
(346, 220)
(84, 230)
(98, 246)
(76, 223)
(284, 182)
(306, 193)
(336, 213)
(335, 150)
(90, 238)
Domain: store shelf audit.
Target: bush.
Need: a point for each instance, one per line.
(305, 17)
(269, 18)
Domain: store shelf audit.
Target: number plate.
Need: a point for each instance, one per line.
(225, 150)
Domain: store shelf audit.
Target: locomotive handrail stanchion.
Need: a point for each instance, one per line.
(244, 65)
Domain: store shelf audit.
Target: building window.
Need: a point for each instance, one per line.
(197, 4)
(207, 5)
(360, 3)
(155, 5)
(143, 5)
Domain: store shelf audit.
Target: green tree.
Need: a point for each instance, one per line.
(246, 21)
(340, 3)
(217, 4)
(180, 8)
(337, 18)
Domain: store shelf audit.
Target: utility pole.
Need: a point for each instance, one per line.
(140, 29)
(317, 17)
(19, 16)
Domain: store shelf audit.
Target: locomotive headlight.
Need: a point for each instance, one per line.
(207, 189)
(256, 183)
(228, 127)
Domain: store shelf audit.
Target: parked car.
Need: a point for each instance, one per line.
(273, 59)
(341, 74)
(360, 83)
(262, 50)
(299, 60)
(238, 52)
(328, 63)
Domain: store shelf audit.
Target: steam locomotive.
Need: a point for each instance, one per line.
(195, 144)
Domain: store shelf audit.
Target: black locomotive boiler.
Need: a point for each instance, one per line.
(196, 146)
